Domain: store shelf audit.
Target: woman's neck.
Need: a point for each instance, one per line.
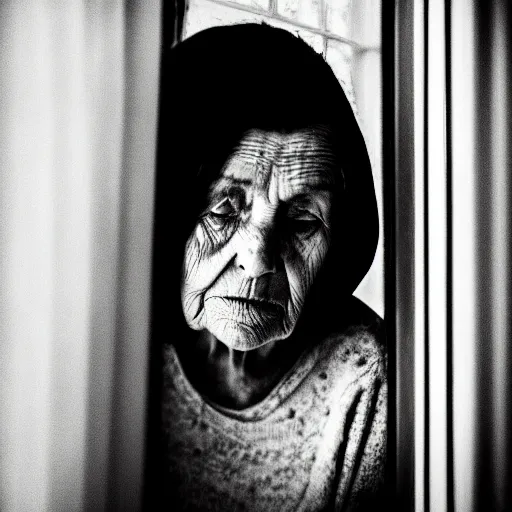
(236, 379)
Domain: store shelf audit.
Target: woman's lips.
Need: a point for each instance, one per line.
(261, 304)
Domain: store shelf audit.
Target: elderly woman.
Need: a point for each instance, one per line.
(274, 383)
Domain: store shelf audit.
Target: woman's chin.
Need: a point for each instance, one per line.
(238, 336)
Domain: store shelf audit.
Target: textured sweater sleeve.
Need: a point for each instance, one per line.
(367, 488)
(361, 487)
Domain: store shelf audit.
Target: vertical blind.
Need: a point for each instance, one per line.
(451, 254)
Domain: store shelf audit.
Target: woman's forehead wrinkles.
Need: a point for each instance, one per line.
(297, 163)
(276, 146)
(279, 185)
(299, 181)
(236, 172)
(264, 173)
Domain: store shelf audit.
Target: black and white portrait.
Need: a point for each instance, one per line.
(255, 255)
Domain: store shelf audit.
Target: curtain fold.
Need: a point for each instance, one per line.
(78, 108)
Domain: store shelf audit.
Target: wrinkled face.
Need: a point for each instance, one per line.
(264, 234)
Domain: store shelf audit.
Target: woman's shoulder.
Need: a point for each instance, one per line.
(357, 345)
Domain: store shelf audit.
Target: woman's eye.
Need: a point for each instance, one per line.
(222, 212)
(304, 223)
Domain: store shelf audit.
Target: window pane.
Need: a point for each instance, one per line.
(303, 11)
(203, 14)
(316, 41)
(258, 4)
(339, 57)
(338, 19)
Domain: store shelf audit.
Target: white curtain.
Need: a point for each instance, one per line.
(78, 118)
(453, 263)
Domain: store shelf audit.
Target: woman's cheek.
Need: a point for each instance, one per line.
(295, 272)
(191, 259)
(200, 245)
(317, 253)
(206, 256)
(304, 259)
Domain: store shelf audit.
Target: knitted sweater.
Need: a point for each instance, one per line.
(316, 442)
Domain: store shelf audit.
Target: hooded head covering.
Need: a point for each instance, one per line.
(223, 81)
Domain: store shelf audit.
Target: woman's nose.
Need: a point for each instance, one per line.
(256, 256)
